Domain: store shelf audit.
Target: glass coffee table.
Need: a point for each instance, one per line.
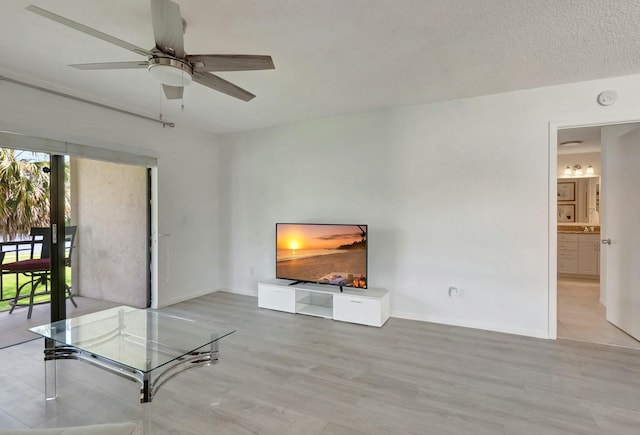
(146, 346)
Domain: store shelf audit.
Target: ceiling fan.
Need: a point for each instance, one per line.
(167, 61)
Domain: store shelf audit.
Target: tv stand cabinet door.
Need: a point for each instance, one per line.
(279, 298)
(354, 309)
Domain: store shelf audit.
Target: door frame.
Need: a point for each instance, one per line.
(554, 126)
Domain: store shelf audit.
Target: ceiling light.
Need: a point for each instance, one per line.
(571, 143)
(577, 171)
(172, 72)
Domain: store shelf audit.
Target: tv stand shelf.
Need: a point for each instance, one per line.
(366, 307)
(314, 304)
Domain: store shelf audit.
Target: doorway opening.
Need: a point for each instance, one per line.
(581, 301)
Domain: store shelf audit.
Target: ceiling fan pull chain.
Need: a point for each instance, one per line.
(182, 98)
(160, 105)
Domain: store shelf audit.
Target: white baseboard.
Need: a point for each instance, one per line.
(398, 314)
(240, 292)
(166, 303)
(473, 325)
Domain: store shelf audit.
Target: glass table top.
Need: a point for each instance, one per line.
(141, 339)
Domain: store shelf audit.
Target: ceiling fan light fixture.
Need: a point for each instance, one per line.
(167, 60)
(172, 72)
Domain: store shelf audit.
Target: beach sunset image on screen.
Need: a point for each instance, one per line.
(328, 254)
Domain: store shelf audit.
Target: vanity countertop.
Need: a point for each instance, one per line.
(578, 229)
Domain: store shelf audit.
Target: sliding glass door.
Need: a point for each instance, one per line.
(24, 235)
(57, 251)
(92, 202)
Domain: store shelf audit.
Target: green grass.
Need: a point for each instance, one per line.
(9, 288)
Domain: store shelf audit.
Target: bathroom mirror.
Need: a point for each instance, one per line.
(579, 200)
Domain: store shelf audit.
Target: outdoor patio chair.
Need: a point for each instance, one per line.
(38, 268)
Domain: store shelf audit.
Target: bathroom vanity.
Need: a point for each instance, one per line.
(579, 226)
(579, 253)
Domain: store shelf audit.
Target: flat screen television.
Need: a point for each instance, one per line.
(322, 254)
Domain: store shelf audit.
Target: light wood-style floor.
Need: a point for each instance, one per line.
(582, 317)
(290, 374)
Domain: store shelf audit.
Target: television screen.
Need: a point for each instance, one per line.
(322, 253)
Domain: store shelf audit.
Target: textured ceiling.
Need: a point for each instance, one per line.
(590, 137)
(331, 56)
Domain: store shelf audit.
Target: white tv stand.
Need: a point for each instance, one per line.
(366, 307)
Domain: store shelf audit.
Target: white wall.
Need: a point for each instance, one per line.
(188, 202)
(455, 193)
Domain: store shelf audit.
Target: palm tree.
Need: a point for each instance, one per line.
(24, 195)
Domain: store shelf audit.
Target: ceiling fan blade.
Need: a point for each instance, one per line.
(172, 92)
(221, 85)
(111, 65)
(230, 62)
(88, 30)
(168, 29)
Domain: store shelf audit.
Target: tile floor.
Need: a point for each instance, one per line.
(288, 374)
(582, 317)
